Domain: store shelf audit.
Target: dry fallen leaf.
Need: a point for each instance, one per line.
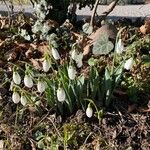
(145, 29)
(28, 53)
(86, 49)
(110, 30)
(43, 48)
(36, 63)
(4, 22)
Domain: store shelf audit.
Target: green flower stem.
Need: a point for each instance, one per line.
(113, 64)
(23, 92)
(97, 111)
(16, 66)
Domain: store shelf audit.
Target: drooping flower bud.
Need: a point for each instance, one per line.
(79, 64)
(79, 60)
(23, 100)
(28, 82)
(46, 65)
(61, 95)
(89, 112)
(55, 54)
(41, 86)
(16, 97)
(119, 47)
(72, 72)
(74, 54)
(128, 64)
(16, 77)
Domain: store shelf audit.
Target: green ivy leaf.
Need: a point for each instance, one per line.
(102, 46)
(87, 28)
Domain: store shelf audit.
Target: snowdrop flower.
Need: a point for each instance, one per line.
(119, 47)
(23, 100)
(46, 65)
(89, 112)
(16, 97)
(28, 82)
(72, 72)
(16, 77)
(79, 60)
(77, 57)
(46, 28)
(55, 54)
(61, 95)
(74, 54)
(41, 86)
(128, 64)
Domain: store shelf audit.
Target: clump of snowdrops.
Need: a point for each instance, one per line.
(63, 88)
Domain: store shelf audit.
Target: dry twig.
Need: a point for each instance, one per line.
(110, 9)
(105, 13)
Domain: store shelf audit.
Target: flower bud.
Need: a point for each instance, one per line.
(128, 64)
(16, 77)
(79, 64)
(41, 86)
(89, 112)
(16, 97)
(55, 54)
(71, 72)
(23, 100)
(119, 47)
(28, 82)
(79, 60)
(74, 54)
(46, 65)
(61, 95)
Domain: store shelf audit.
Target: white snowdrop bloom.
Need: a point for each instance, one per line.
(72, 72)
(46, 28)
(89, 112)
(23, 100)
(28, 82)
(41, 86)
(61, 95)
(16, 77)
(74, 54)
(55, 54)
(128, 64)
(46, 65)
(79, 60)
(119, 47)
(79, 64)
(16, 97)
